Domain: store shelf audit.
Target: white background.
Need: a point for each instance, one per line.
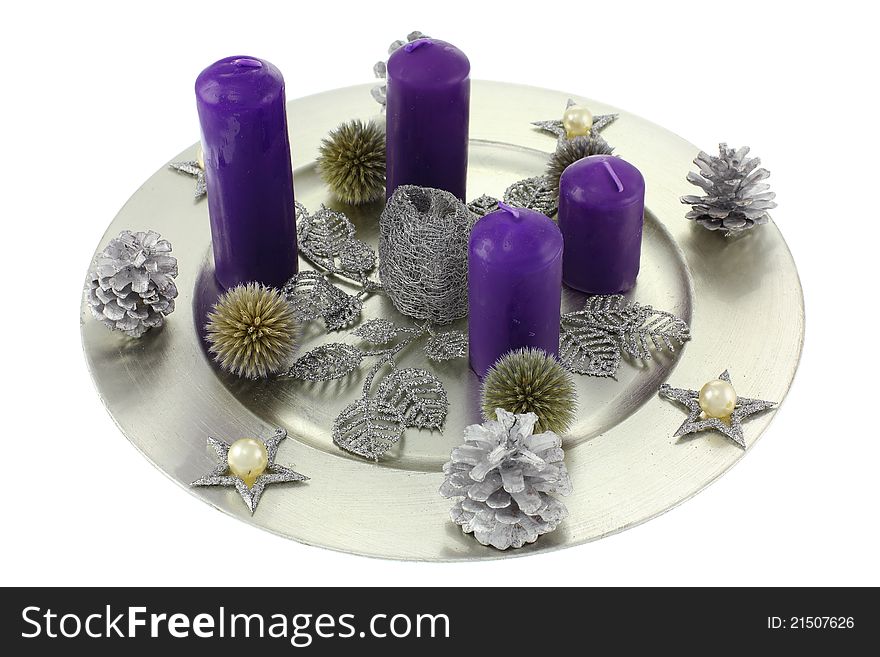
(95, 98)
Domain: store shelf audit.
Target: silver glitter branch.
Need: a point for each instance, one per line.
(328, 240)
(405, 398)
(592, 340)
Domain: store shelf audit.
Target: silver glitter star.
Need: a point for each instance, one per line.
(274, 474)
(192, 168)
(697, 421)
(555, 127)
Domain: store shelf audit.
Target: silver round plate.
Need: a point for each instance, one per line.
(742, 298)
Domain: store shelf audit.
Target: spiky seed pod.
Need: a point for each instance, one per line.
(506, 476)
(530, 381)
(130, 287)
(251, 331)
(736, 198)
(352, 162)
(569, 151)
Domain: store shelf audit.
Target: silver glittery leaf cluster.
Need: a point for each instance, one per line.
(380, 68)
(130, 286)
(736, 198)
(404, 398)
(328, 240)
(313, 297)
(193, 169)
(423, 260)
(697, 420)
(274, 473)
(555, 127)
(592, 340)
(506, 477)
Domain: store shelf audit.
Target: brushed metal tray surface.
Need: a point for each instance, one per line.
(742, 298)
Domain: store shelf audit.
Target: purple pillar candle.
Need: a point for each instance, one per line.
(601, 212)
(427, 113)
(514, 285)
(248, 171)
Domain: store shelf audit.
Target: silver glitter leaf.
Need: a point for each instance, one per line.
(447, 346)
(483, 205)
(327, 240)
(313, 297)
(346, 315)
(697, 420)
(417, 395)
(368, 427)
(535, 193)
(333, 360)
(356, 257)
(322, 234)
(587, 336)
(379, 331)
(588, 351)
(637, 328)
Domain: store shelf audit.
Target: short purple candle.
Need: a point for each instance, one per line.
(248, 171)
(601, 212)
(514, 285)
(427, 113)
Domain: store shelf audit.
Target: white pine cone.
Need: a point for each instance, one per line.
(506, 476)
(130, 286)
(736, 198)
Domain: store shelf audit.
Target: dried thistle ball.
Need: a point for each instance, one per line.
(530, 381)
(352, 162)
(251, 331)
(569, 151)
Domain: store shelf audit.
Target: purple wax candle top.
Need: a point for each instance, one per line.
(427, 114)
(241, 105)
(514, 285)
(601, 213)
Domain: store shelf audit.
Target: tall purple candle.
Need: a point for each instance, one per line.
(248, 171)
(601, 212)
(514, 285)
(427, 113)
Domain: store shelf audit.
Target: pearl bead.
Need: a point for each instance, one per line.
(247, 459)
(200, 158)
(718, 399)
(577, 121)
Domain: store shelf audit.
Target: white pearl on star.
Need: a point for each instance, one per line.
(577, 121)
(717, 399)
(247, 459)
(200, 158)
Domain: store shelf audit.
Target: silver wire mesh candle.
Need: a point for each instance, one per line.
(423, 239)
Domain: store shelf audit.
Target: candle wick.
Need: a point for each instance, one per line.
(418, 43)
(509, 208)
(613, 175)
